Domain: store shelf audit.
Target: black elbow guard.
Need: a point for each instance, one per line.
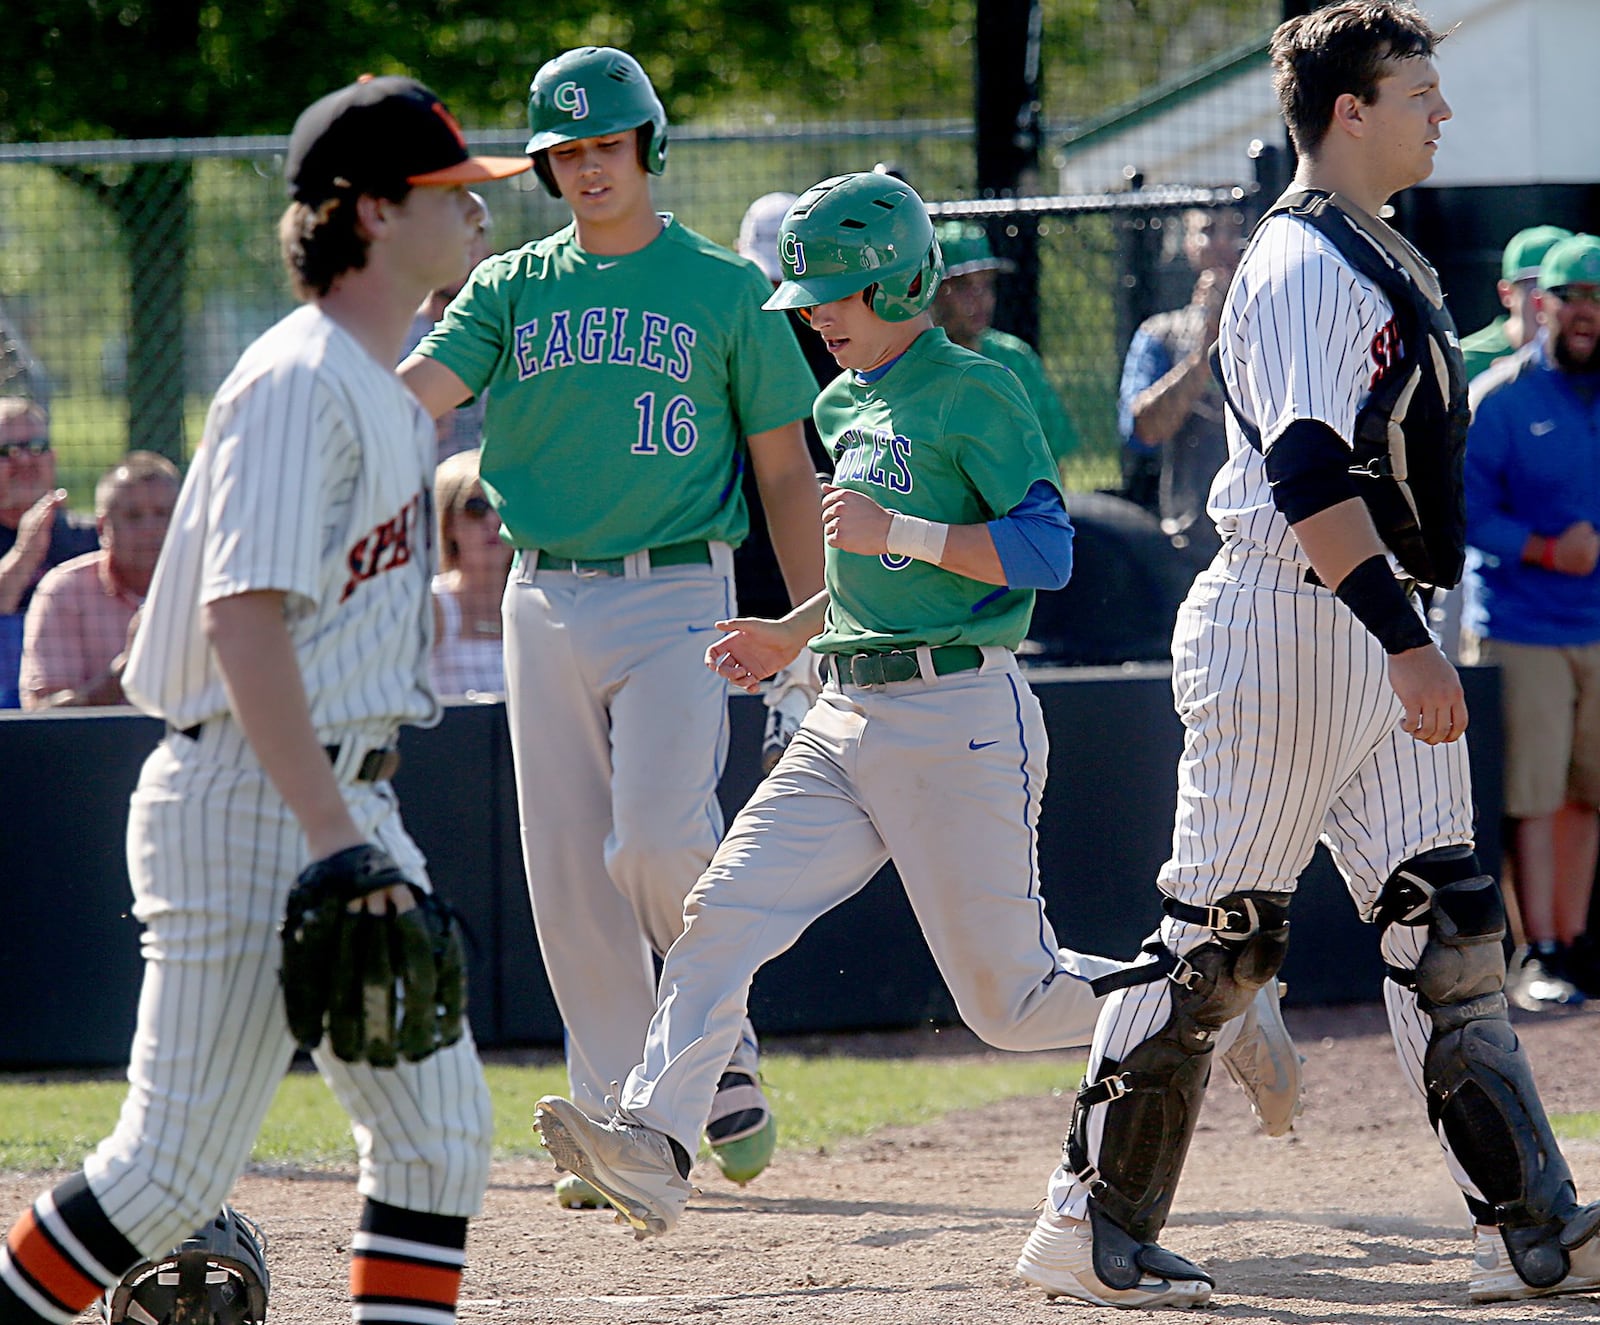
(1309, 470)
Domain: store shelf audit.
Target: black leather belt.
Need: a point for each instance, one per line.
(377, 765)
(876, 669)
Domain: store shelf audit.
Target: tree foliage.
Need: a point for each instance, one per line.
(201, 68)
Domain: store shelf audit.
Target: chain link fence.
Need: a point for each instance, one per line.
(132, 274)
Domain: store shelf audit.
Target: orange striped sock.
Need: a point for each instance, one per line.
(405, 1266)
(59, 1256)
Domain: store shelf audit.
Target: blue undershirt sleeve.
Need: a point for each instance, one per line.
(1034, 540)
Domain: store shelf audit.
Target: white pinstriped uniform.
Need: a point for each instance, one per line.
(313, 479)
(1291, 729)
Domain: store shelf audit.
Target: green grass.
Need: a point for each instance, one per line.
(1576, 1126)
(820, 1101)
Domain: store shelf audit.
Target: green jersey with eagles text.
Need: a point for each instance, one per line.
(944, 435)
(621, 389)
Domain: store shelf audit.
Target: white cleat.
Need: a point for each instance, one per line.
(629, 1164)
(1495, 1279)
(1059, 1258)
(1265, 1062)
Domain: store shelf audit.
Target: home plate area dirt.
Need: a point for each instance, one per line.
(1351, 1220)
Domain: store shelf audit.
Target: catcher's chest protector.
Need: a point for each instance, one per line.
(1411, 435)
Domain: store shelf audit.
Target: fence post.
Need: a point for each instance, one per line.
(1009, 33)
(154, 210)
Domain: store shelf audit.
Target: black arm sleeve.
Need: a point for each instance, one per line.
(1309, 470)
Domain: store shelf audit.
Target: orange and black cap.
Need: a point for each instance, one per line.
(379, 134)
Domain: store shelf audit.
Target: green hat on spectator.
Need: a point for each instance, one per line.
(1520, 261)
(966, 249)
(1574, 261)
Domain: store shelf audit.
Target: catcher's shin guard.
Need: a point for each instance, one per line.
(1152, 1096)
(1480, 1089)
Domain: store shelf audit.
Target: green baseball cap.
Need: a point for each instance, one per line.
(1574, 261)
(966, 249)
(1520, 261)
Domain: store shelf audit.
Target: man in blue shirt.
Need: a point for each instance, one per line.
(1533, 504)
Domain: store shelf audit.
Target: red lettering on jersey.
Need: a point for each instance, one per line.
(356, 559)
(383, 547)
(1386, 351)
(402, 540)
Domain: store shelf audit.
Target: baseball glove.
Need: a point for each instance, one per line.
(382, 985)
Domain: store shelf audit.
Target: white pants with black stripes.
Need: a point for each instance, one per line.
(212, 854)
(1291, 735)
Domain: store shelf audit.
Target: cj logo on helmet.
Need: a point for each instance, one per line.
(794, 253)
(572, 99)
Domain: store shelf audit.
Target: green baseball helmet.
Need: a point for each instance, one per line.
(590, 92)
(859, 232)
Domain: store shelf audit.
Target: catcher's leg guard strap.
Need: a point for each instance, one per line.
(1481, 1092)
(1152, 1096)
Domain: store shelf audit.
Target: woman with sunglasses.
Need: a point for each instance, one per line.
(473, 562)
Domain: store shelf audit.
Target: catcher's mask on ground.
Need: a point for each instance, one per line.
(216, 1277)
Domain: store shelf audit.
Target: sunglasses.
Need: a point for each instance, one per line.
(805, 312)
(32, 445)
(1577, 294)
(476, 508)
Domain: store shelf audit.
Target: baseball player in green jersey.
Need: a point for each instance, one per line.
(965, 307)
(631, 376)
(927, 745)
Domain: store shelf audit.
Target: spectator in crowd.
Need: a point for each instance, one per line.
(1533, 504)
(758, 581)
(758, 241)
(1169, 408)
(460, 429)
(473, 564)
(20, 373)
(964, 307)
(1495, 343)
(78, 625)
(36, 533)
(1519, 276)
(756, 575)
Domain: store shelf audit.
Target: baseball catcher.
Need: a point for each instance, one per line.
(371, 960)
(217, 1276)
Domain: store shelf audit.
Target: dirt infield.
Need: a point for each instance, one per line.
(1350, 1221)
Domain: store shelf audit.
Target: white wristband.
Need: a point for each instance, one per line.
(920, 539)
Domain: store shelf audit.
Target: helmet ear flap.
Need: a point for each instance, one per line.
(652, 144)
(541, 168)
(918, 293)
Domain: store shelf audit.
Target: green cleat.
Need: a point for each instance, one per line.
(745, 1158)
